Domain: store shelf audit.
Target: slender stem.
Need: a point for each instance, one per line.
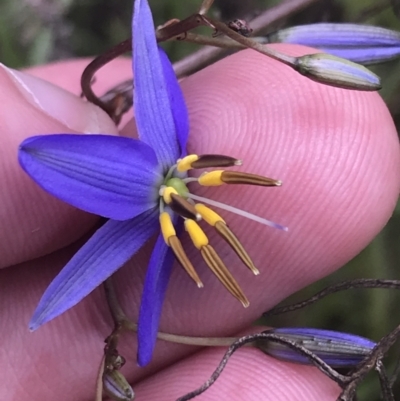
(384, 381)
(247, 42)
(200, 341)
(122, 322)
(205, 6)
(315, 360)
(96, 64)
(207, 55)
(99, 381)
(396, 372)
(116, 311)
(221, 42)
(178, 28)
(184, 67)
(344, 285)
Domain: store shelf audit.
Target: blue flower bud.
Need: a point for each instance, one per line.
(336, 71)
(116, 387)
(339, 350)
(364, 44)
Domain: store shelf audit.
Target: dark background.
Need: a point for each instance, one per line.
(37, 31)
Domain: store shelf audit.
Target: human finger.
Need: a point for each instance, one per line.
(34, 223)
(318, 138)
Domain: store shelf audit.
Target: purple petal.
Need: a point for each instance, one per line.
(177, 102)
(154, 117)
(335, 348)
(155, 286)
(106, 251)
(110, 176)
(338, 35)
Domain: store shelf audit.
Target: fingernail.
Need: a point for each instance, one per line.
(70, 110)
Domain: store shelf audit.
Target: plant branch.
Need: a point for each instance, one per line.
(342, 286)
(207, 55)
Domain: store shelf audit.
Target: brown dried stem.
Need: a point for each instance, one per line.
(207, 55)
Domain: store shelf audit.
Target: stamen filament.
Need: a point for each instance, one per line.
(218, 267)
(237, 211)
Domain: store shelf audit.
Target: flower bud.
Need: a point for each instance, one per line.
(364, 44)
(336, 71)
(339, 350)
(116, 386)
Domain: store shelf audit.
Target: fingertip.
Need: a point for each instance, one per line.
(33, 222)
(336, 151)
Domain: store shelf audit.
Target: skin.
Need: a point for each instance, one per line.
(338, 156)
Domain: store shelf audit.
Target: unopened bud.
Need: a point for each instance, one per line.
(116, 386)
(338, 72)
(339, 350)
(364, 44)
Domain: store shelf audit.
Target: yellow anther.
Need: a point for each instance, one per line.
(167, 194)
(167, 228)
(185, 163)
(211, 179)
(208, 214)
(196, 234)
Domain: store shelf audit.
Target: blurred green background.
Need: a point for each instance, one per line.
(37, 31)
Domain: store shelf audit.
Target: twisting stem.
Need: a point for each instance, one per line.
(395, 373)
(168, 32)
(249, 43)
(344, 285)
(386, 387)
(206, 55)
(315, 360)
(205, 6)
(178, 28)
(116, 311)
(118, 104)
(122, 322)
(221, 42)
(372, 361)
(99, 381)
(96, 64)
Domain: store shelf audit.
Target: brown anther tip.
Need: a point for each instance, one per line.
(183, 259)
(207, 161)
(229, 236)
(184, 208)
(245, 302)
(218, 267)
(236, 177)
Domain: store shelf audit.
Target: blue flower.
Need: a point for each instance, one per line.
(140, 185)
